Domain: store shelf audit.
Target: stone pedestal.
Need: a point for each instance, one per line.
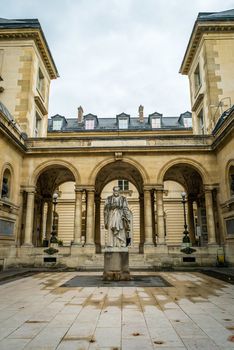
(116, 264)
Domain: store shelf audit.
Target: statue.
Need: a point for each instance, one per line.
(117, 219)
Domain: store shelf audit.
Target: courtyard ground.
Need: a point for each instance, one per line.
(38, 312)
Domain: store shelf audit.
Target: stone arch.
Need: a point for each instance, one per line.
(183, 161)
(112, 170)
(102, 164)
(48, 164)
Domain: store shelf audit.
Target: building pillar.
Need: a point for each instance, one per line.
(49, 219)
(29, 217)
(191, 227)
(148, 217)
(220, 217)
(20, 219)
(90, 216)
(78, 215)
(210, 216)
(160, 216)
(98, 223)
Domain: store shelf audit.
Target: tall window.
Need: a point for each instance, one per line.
(6, 183)
(123, 185)
(197, 78)
(156, 123)
(231, 179)
(89, 124)
(201, 122)
(123, 123)
(1, 63)
(57, 124)
(41, 82)
(37, 129)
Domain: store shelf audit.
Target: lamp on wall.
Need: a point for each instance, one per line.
(186, 239)
(54, 238)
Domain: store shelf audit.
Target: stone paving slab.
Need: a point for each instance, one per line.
(195, 312)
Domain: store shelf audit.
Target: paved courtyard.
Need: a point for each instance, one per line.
(196, 312)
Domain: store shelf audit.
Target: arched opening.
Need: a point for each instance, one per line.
(184, 178)
(50, 210)
(6, 184)
(231, 180)
(128, 178)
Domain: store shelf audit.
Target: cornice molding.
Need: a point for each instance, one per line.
(35, 35)
(199, 30)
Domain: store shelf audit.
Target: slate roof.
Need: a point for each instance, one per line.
(5, 111)
(222, 118)
(71, 124)
(216, 16)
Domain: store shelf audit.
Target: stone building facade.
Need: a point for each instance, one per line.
(157, 156)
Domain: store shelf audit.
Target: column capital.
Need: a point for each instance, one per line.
(155, 187)
(79, 188)
(210, 187)
(148, 187)
(89, 188)
(28, 189)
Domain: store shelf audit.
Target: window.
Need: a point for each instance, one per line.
(6, 183)
(231, 180)
(89, 124)
(57, 124)
(156, 123)
(37, 129)
(40, 82)
(197, 78)
(1, 63)
(201, 123)
(123, 185)
(188, 122)
(123, 123)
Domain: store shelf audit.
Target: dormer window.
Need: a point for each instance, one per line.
(90, 121)
(89, 124)
(188, 122)
(57, 124)
(123, 123)
(123, 120)
(156, 123)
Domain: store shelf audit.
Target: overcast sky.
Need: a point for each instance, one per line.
(113, 55)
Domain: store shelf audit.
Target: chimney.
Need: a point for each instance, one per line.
(141, 114)
(80, 114)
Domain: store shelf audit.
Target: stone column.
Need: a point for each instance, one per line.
(210, 216)
(148, 217)
(191, 227)
(78, 215)
(29, 217)
(221, 222)
(98, 223)
(90, 217)
(160, 216)
(18, 229)
(49, 219)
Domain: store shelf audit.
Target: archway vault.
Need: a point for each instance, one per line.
(118, 170)
(55, 164)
